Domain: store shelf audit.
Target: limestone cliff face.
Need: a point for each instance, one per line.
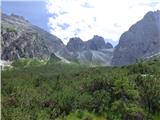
(76, 44)
(96, 43)
(140, 41)
(21, 39)
(93, 51)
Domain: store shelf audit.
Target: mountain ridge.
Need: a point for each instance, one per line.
(21, 39)
(141, 40)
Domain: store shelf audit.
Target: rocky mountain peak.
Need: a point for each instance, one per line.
(141, 40)
(75, 44)
(108, 45)
(16, 16)
(96, 37)
(96, 43)
(15, 19)
(21, 39)
(75, 40)
(152, 14)
(93, 51)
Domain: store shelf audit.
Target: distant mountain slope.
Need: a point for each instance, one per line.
(94, 51)
(20, 39)
(96, 43)
(142, 40)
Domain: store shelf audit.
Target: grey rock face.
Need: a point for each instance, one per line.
(108, 45)
(96, 43)
(140, 41)
(75, 44)
(93, 51)
(20, 39)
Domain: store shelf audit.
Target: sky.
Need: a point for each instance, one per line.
(34, 11)
(107, 18)
(83, 18)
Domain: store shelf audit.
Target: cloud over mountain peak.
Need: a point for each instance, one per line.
(85, 18)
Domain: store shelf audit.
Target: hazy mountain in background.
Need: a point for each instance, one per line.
(114, 43)
(96, 43)
(93, 51)
(142, 40)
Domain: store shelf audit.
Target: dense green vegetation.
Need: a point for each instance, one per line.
(9, 29)
(40, 90)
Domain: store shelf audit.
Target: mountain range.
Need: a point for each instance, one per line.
(21, 39)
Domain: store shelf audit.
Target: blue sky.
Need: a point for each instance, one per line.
(82, 18)
(34, 11)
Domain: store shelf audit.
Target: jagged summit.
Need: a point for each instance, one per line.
(93, 51)
(21, 39)
(96, 43)
(152, 14)
(141, 40)
(75, 44)
(108, 45)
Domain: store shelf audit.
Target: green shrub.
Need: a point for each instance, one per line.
(34, 90)
(149, 88)
(82, 115)
(11, 30)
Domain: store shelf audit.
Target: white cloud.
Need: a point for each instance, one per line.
(107, 18)
(22, 0)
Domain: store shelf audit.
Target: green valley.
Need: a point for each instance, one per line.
(46, 90)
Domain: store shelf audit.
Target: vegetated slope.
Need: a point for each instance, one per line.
(140, 41)
(21, 39)
(52, 90)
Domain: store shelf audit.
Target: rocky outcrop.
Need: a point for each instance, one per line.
(108, 45)
(96, 43)
(140, 41)
(20, 39)
(93, 51)
(75, 44)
